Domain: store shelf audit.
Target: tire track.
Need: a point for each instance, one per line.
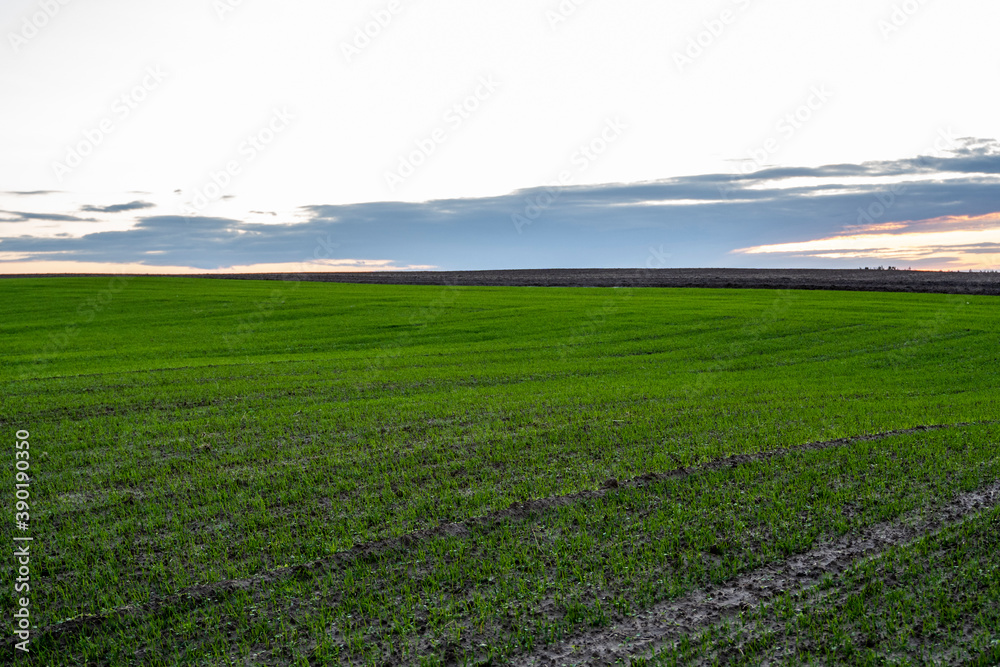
(372, 550)
(640, 635)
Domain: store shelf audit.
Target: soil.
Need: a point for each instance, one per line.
(372, 550)
(873, 280)
(656, 626)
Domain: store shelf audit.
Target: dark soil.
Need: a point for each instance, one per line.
(630, 637)
(946, 282)
(372, 550)
(668, 621)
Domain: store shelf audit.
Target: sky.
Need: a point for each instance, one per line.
(178, 136)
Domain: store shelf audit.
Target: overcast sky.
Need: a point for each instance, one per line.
(222, 135)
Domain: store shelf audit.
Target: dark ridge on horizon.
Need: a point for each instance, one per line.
(863, 280)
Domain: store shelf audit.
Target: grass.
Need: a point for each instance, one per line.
(188, 433)
(929, 602)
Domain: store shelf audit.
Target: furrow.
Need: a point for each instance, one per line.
(658, 625)
(372, 550)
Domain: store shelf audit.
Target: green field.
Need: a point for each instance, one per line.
(243, 472)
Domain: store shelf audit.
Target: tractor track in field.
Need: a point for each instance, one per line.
(372, 550)
(661, 624)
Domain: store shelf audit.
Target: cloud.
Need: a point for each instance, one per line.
(914, 240)
(767, 218)
(118, 208)
(21, 216)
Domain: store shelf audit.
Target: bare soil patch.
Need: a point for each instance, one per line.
(945, 282)
(639, 635)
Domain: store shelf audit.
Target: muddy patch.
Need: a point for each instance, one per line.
(666, 622)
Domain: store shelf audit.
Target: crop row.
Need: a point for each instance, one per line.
(496, 589)
(356, 413)
(934, 601)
